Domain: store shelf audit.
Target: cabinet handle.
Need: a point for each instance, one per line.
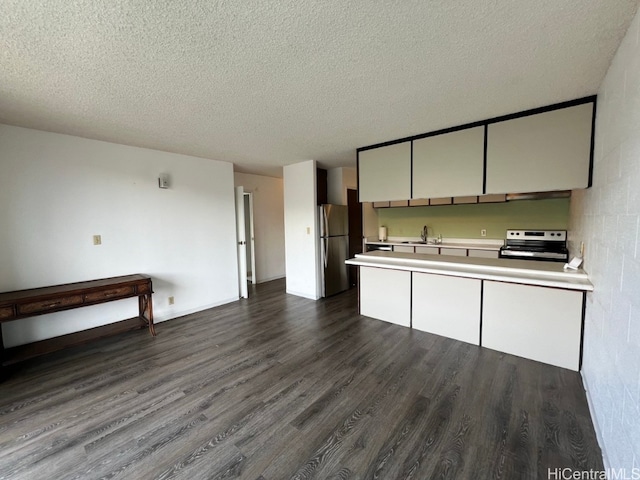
(54, 304)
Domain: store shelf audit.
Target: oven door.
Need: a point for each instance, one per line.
(371, 247)
(526, 253)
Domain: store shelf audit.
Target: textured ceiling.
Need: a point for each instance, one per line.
(264, 84)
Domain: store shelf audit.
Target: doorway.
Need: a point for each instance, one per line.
(246, 241)
(249, 235)
(354, 208)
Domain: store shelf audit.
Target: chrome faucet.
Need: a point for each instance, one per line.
(425, 234)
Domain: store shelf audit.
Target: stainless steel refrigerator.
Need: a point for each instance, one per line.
(334, 248)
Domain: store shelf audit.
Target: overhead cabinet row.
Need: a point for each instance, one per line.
(528, 152)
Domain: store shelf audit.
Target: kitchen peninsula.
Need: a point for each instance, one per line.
(530, 309)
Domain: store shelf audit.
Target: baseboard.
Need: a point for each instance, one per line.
(269, 279)
(594, 420)
(304, 295)
(170, 315)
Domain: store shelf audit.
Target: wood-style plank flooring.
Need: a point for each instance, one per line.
(278, 387)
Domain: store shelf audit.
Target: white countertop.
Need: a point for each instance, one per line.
(473, 244)
(545, 274)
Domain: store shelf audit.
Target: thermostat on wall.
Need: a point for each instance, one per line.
(163, 180)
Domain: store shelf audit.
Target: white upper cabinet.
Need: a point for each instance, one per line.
(542, 152)
(385, 173)
(449, 165)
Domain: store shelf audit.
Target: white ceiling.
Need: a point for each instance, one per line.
(264, 84)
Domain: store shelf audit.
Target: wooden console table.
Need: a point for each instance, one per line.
(39, 301)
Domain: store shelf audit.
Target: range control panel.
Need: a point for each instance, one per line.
(545, 235)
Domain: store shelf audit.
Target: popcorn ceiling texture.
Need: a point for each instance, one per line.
(606, 217)
(265, 84)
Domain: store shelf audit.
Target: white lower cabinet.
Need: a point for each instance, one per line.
(539, 323)
(447, 306)
(427, 250)
(483, 253)
(403, 248)
(456, 252)
(385, 294)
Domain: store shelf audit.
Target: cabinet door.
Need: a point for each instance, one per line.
(449, 165)
(385, 294)
(385, 173)
(403, 248)
(447, 306)
(539, 323)
(427, 250)
(441, 201)
(456, 252)
(483, 253)
(544, 152)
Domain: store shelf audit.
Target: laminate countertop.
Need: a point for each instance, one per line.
(527, 272)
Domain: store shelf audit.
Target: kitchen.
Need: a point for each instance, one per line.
(495, 197)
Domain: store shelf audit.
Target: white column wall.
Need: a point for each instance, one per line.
(301, 230)
(605, 217)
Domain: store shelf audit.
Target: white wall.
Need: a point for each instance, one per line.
(349, 181)
(339, 180)
(334, 186)
(300, 229)
(56, 191)
(606, 218)
(268, 223)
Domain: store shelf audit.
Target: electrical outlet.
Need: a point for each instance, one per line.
(97, 239)
(308, 230)
(483, 232)
(171, 300)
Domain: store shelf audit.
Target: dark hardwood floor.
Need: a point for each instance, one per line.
(278, 387)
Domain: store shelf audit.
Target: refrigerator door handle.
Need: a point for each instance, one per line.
(326, 251)
(325, 218)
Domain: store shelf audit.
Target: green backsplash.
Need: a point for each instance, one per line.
(466, 221)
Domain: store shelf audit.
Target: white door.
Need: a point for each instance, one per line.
(242, 243)
(251, 238)
(540, 153)
(447, 306)
(449, 165)
(385, 173)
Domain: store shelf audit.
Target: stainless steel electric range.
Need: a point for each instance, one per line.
(547, 245)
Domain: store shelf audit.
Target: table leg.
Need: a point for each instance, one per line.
(1, 346)
(145, 310)
(152, 328)
(3, 370)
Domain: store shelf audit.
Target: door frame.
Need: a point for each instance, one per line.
(251, 241)
(241, 243)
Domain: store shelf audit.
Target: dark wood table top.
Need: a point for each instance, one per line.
(11, 297)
